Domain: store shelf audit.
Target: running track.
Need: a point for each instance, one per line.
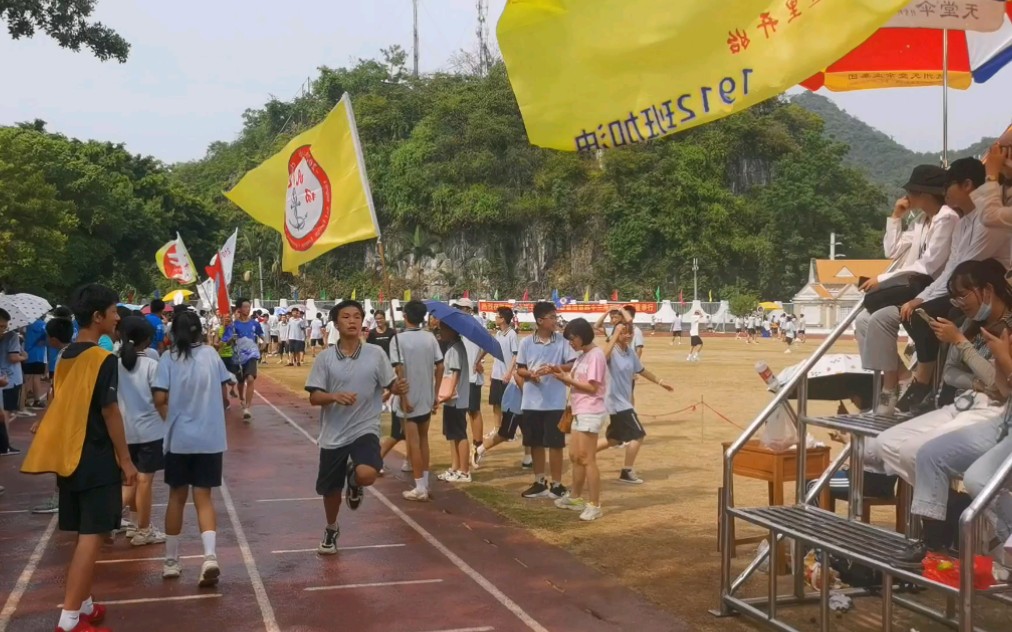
(445, 566)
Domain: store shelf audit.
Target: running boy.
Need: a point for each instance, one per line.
(189, 389)
(347, 383)
(243, 334)
(86, 447)
(544, 399)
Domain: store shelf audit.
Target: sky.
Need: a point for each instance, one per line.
(195, 67)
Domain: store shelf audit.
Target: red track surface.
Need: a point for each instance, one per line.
(463, 569)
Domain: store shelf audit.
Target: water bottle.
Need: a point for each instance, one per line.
(766, 375)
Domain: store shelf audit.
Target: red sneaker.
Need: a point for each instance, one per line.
(83, 626)
(97, 615)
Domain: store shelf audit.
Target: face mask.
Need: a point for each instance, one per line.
(984, 312)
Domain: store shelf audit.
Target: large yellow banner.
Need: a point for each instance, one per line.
(594, 74)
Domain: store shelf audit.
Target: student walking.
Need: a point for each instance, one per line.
(694, 339)
(455, 393)
(347, 382)
(587, 382)
(143, 423)
(190, 387)
(83, 426)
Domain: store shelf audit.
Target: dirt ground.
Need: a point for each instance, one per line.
(660, 538)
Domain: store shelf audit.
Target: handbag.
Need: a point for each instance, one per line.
(566, 423)
(896, 291)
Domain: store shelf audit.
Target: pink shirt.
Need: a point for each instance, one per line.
(591, 367)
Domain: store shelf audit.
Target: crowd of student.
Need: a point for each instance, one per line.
(948, 289)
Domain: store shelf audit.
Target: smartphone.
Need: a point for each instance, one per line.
(923, 314)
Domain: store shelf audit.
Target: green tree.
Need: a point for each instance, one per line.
(65, 21)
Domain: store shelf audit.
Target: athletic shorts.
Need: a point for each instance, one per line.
(274, 337)
(148, 457)
(789, 340)
(283, 346)
(297, 346)
(696, 341)
(474, 405)
(625, 426)
(12, 398)
(495, 391)
(34, 368)
(510, 423)
(231, 366)
(737, 330)
(194, 470)
(248, 370)
(333, 473)
(589, 422)
(397, 424)
(454, 423)
(95, 511)
(677, 334)
(801, 331)
(317, 342)
(541, 429)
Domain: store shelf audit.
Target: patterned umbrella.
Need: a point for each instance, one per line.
(836, 376)
(24, 308)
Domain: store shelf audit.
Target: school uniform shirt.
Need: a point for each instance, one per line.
(923, 248)
(297, 330)
(35, 342)
(141, 420)
(10, 345)
(457, 362)
(274, 326)
(151, 353)
(366, 373)
(549, 393)
(694, 325)
(971, 241)
(159, 326)
(283, 331)
(591, 366)
(98, 466)
(418, 351)
(801, 323)
(196, 419)
(509, 343)
(789, 329)
(332, 334)
(512, 398)
(677, 324)
(623, 366)
(472, 351)
(381, 340)
(316, 329)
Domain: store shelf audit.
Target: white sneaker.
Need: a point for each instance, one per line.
(247, 416)
(573, 504)
(406, 466)
(128, 528)
(787, 351)
(887, 403)
(688, 358)
(150, 535)
(448, 476)
(209, 572)
(591, 512)
(417, 495)
(171, 569)
(462, 477)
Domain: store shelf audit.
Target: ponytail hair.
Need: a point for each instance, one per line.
(186, 332)
(134, 331)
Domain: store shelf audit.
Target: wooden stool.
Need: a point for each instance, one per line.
(904, 494)
(757, 462)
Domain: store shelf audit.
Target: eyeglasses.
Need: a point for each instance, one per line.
(960, 301)
(550, 317)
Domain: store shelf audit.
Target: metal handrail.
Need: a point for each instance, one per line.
(968, 541)
(782, 397)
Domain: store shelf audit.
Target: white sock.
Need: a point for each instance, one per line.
(425, 477)
(481, 450)
(69, 619)
(420, 484)
(208, 538)
(87, 606)
(172, 547)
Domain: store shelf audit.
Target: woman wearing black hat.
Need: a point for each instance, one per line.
(922, 250)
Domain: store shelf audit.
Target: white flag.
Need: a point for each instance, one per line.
(227, 254)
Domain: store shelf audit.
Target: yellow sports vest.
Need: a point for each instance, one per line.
(60, 438)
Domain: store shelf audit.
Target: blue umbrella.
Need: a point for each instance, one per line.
(466, 326)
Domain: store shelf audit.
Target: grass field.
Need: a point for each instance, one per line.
(660, 538)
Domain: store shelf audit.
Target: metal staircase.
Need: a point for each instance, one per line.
(843, 537)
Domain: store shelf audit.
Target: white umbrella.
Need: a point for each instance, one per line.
(24, 308)
(834, 376)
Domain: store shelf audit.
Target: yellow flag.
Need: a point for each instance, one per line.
(586, 296)
(354, 295)
(593, 75)
(314, 192)
(407, 295)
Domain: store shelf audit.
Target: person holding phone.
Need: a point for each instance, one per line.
(923, 248)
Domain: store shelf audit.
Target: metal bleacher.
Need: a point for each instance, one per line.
(842, 536)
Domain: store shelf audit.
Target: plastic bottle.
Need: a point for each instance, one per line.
(766, 375)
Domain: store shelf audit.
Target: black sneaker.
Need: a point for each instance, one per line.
(913, 396)
(354, 495)
(557, 491)
(11, 451)
(912, 557)
(525, 464)
(328, 546)
(537, 490)
(629, 476)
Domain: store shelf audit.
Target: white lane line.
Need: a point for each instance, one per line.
(464, 567)
(373, 585)
(284, 500)
(26, 576)
(146, 559)
(266, 610)
(343, 548)
(132, 602)
(486, 628)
